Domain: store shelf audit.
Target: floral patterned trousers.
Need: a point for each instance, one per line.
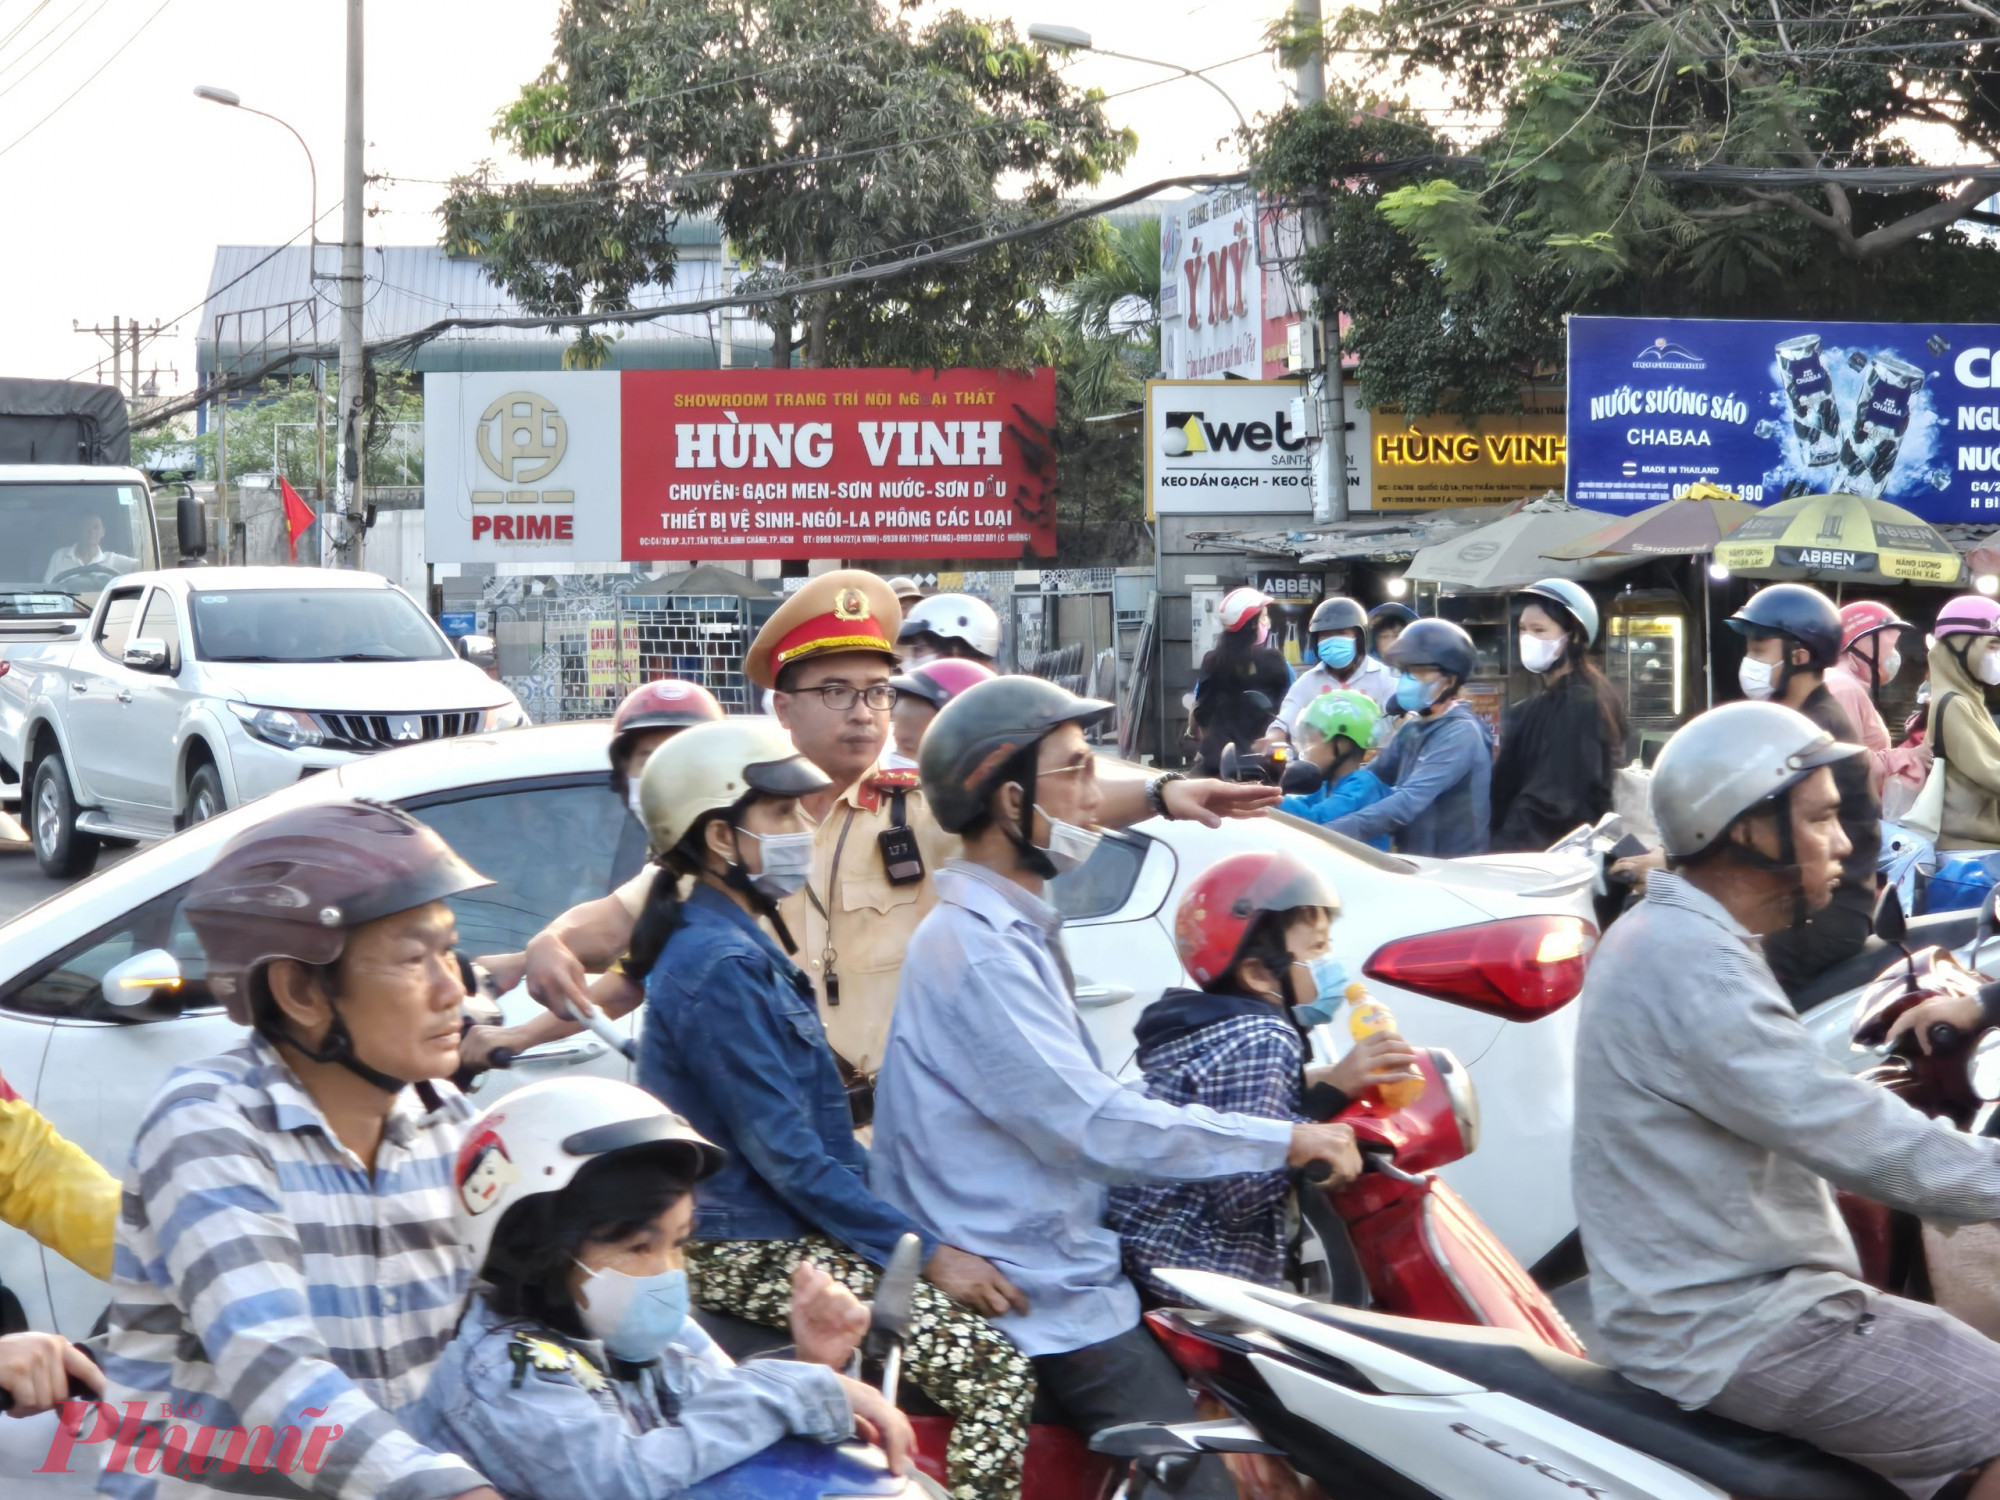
(960, 1360)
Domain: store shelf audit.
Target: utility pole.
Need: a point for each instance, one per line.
(125, 335)
(1330, 464)
(346, 530)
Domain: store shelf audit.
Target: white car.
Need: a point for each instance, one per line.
(194, 690)
(1458, 946)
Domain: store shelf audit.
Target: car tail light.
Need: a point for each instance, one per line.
(1197, 1353)
(1520, 969)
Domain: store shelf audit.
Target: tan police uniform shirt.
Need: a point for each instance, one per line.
(854, 910)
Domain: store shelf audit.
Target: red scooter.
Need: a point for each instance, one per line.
(1397, 1240)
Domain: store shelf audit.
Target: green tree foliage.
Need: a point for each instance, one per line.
(1617, 175)
(822, 134)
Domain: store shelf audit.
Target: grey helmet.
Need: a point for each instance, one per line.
(1725, 762)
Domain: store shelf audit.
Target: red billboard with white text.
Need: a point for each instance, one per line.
(832, 463)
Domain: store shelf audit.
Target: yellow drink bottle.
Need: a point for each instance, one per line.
(1365, 1017)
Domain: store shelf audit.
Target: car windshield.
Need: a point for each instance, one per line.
(61, 545)
(297, 625)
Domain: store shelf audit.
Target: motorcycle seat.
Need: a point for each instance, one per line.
(1946, 929)
(1747, 1463)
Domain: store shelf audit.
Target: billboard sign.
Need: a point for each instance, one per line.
(1211, 287)
(1903, 411)
(608, 465)
(1226, 447)
(1437, 461)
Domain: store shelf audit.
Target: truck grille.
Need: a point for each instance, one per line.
(352, 731)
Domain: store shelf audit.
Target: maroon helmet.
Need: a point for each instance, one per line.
(294, 885)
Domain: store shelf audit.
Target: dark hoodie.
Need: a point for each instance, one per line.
(1237, 1055)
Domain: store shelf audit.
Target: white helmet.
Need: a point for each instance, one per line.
(955, 617)
(536, 1139)
(1726, 761)
(1239, 607)
(715, 766)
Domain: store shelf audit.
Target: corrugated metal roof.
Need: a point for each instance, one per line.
(267, 300)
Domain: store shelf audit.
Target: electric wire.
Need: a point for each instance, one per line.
(88, 81)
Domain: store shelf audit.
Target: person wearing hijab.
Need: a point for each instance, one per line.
(1964, 669)
(1560, 748)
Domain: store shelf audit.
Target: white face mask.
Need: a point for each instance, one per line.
(1538, 655)
(632, 801)
(1759, 678)
(1069, 846)
(787, 859)
(1892, 663)
(1989, 668)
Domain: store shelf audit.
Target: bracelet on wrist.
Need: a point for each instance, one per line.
(1156, 792)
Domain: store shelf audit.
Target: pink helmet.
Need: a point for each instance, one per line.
(1968, 614)
(938, 682)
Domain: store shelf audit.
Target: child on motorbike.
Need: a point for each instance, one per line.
(576, 1370)
(1333, 735)
(1252, 930)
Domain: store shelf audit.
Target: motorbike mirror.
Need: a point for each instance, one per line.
(1983, 1072)
(1891, 926)
(141, 978)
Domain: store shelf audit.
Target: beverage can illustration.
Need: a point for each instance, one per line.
(1881, 417)
(1815, 416)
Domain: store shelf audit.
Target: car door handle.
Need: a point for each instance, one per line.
(1090, 996)
(79, 686)
(551, 1052)
(124, 695)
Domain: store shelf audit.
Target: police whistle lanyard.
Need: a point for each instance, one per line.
(828, 955)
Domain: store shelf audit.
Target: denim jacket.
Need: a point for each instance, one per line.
(550, 1417)
(733, 1041)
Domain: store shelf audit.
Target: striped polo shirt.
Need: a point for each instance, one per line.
(262, 1271)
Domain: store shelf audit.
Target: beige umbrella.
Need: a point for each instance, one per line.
(1509, 552)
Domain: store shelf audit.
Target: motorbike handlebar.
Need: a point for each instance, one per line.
(78, 1391)
(1945, 1037)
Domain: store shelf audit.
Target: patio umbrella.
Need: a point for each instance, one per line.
(1844, 538)
(1509, 552)
(1688, 526)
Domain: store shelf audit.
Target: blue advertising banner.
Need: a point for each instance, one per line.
(1909, 412)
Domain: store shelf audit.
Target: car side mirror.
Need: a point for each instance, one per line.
(141, 978)
(146, 656)
(191, 526)
(1891, 926)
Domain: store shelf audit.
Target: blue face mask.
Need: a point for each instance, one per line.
(1336, 651)
(634, 1317)
(1414, 695)
(1329, 979)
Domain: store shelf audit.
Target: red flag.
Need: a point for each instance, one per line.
(298, 515)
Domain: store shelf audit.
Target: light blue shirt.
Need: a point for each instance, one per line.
(998, 1130)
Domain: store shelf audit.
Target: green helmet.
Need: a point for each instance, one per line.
(1342, 711)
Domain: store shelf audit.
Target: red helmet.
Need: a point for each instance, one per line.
(1865, 617)
(666, 704)
(1217, 912)
(1968, 614)
(938, 682)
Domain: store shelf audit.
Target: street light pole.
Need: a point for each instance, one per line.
(1075, 39)
(346, 529)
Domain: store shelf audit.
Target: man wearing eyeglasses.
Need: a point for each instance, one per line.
(827, 654)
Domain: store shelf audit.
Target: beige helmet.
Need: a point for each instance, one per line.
(712, 767)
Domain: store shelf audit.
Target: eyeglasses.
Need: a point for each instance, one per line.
(1088, 766)
(839, 697)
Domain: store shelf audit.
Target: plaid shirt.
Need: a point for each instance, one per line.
(262, 1270)
(1247, 1065)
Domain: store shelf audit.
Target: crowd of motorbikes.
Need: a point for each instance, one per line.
(1411, 1355)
